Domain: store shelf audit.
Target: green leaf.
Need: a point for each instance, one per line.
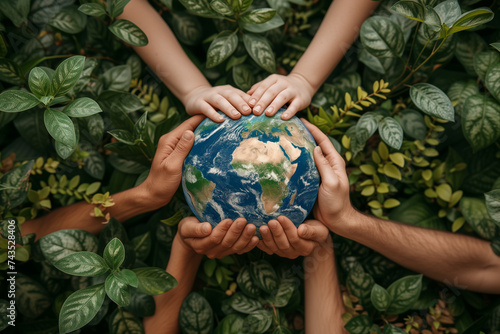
(221, 7)
(258, 321)
(391, 329)
(246, 284)
(114, 253)
(449, 11)
(391, 132)
(123, 322)
(93, 9)
(69, 20)
(243, 76)
(404, 293)
(60, 244)
(230, 324)
(154, 281)
(4, 312)
(485, 60)
(413, 124)
(196, 315)
(118, 78)
(80, 307)
(472, 19)
(460, 91)
(32, 299)
(82, 264)
(257, 16)
(496, 46)
(366, 126)
(142, 245)
(221, 48)
(273, 23)
(380, 298)
(10, 72)
(240, 6)
(241, 303)
(432, 101)
(260, 50)
(492, 81)
(115, 7)
(187, 28)
(476, 215)
(17, 100)
(16, 11)
(492, 199)
(141, 305)
(66, 75)
(82, 107)
(468, 45)
(60, 127)
(117, 289)
(360, 283)
(140, 126)
(264, 276)
(284, 293)
(39, 82)
(360, 324)
(481, 121)
(129, 33)
(410, 9)
(382, 37)
(200, 8)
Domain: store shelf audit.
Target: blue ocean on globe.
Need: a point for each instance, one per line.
(256, 167)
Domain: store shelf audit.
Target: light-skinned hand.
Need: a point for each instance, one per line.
(277, 90)
(333, 204)
(283, 238)
(228, 237)
(207, 100)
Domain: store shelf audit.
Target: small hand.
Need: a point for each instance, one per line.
(276, 90)
(333, 203)
(281, 237)
(166, 169)
(228, 237)
(206, 100)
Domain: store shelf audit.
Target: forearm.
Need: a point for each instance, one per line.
(163, 53)
(339, 29)
(323, 301)
(183, 265)
(454, 259)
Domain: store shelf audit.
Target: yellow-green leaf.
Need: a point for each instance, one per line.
(391, 203)
(367, 169)
(383, 151)
(457, 224)
(374, 204)
(392, 171)
(368, 191)
(427, 175)
(455, 198)
(398, 158)
(444, 191)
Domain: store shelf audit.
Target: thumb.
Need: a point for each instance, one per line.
(193, 229)
(181, 150)
(324, 168)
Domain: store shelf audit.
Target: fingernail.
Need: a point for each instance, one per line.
(257, 109)
(303, 230)
(285, 115)
(187, 135)
(234, 112)
(269, 110)
(252, 101)
(246, 108)
(205, 229)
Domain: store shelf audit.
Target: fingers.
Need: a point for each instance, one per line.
(313, 230)
(279, 235)
(190, 227)
(258, 90)
(181, 150)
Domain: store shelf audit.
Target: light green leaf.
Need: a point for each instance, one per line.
(243, 76)
(81, 307)
(449, 11)
(115, 7)
(123, 322)
(481, 121)
(260, 50)
(460, 91)
(128, 32)
(496, 46)
(60, 244)
(196, 315)
(187, 28)
(16, 185)
(404, 293)
(472, 19)
(200, 8)
(432, 101)
(154, 281)
(82, 107)
(66, 75)
(221, 48)
(114, 253)
(410, 9)
(241, 303)
(230, 324)
(39, 82)
(17, 100)
(485, 60)
(360, 324)
(240, 6)
(264, 276)
(221, 7)
(391, 132)
(468, 45)
(69, 20)
(284, 293)
(366, 126)
(117, 289)
(380, 298)
(273, 23)
(118, 78)
(492, 199)
(10, 72)
(382, 37)
(258, 321)
(476, 215)
(413, 123)
(257, 16)
(60, 127)
(360, 283)
(246, 284)
(492, 81)
(82, 264)
(93, 9)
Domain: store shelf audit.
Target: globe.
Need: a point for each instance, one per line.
(256, 167)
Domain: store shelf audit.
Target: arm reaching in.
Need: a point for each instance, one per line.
(156, 191)
(339, 29)
(455, 259)
(168, 60)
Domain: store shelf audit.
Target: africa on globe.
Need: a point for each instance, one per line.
(256, 167)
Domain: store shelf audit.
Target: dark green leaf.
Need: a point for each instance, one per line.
(221, 48)
(221, 7)
(245, 283)
(485, 60)
(432, 101)
(413, 124)
(258, 321)
(60, 244)
(240, 6)
(273, 23)
(284, 293)
(404, 293)
(60, 127)
(93, 9)
(468, 45)
(82, 107)
(230, 324)
(241, 303)
(129, 32)
(460, 91)
(496, 46)
(16, 11)
(10, 72)
(264, 276)
(142, 245)
(115, 7)
(410, 9)
(122, 322)
(449, 11)
(200, 8)
(69, 20)
(495, 245)
(14, 186)
(66, 75)
(32, 299)
(17, 100)
(154, 281)
(39, 82)
(481, 121)
(82, 264)
(122, 136)
(196, 315)
(80, 307)
(117, 289)
(382, 37)
(472, 19)
(243, 76)
(360, 324)
(366, 126)
(260, 50)
(140, 127)
(492, 81)
(4, 312)
(360, 283)
(141, 305)
(94, 127)
(257, 16)
(114, 253)
(380, 298)
(492, 199)
(187, 28)
(117, 78)
(3, 53)
(32, 129)
(391, 329)
(391, 132)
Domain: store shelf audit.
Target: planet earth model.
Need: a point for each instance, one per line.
(256, 167)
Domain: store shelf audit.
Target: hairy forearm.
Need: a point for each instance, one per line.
(183, 265)
(339, 29)
(454, 259)
(323, 300)
(163, 53)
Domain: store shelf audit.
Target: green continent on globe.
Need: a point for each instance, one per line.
(199, 188)
(273, 168)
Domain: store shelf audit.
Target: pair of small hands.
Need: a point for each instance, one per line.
(270, 95)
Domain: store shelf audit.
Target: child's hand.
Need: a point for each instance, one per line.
(207, 100)
(277, 90)
(281, 237)
(227, 238)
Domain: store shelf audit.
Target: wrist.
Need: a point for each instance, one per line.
(348, 222)
(310, 87)
(194, 92)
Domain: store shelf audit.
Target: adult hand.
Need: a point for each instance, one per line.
(207, 99)
(228, 237)
(333, 204)
(281, 237)
(166, 170)
(276, 90)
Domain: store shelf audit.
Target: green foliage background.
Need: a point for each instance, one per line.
(414, 107)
